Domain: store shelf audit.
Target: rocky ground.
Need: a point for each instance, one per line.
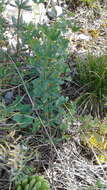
(92, 36)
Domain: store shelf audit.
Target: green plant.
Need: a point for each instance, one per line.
(93, 135)
(92, 80)
(3, 27)
(2, 22)
(44, 65)
(33, 183)
(74, 4)
(6, 68)
(90, 3)
(98, 185)
(47, 65)
(49, 48)
(14, 156)
(18, 23)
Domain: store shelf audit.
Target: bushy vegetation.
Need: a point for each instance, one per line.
(72, 4)
(94, 136)
(44, 66)
(92, 78)
(33, 182)
(32, 74)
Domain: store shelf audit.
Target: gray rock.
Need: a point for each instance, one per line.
(8, 97)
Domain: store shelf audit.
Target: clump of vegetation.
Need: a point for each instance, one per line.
(45, 65)
(90, 3)
(48, 62)
(92, 79)
(14, 156)
(94, 136)
(33, 182)
(2, 24)
(98, 185)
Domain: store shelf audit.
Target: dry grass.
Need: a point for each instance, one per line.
(75, 169)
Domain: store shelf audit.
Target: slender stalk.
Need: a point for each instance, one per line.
(18, 30)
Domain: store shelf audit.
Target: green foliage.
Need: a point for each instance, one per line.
(48, 47)
(47, 43)
(33, 183)
(2, 24)
(72, 3)
(21, 113)
(38, 1)
(91, 3)
(18, 22)
(1, 6)
(47, 65)
(15, 155)
(92, 79)
(99, 185)
(93, 135)
(22, 4)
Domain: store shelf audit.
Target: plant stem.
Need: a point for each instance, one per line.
(18, 29)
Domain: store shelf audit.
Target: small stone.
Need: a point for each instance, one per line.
(83, 37)
(8, 97)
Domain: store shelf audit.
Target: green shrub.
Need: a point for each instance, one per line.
(2, 29)
(33, 183)
(3, 26)
(92, 79)
(47, 64)
(72, 4)
(44, 67)
(90, 3)
(49, 49)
